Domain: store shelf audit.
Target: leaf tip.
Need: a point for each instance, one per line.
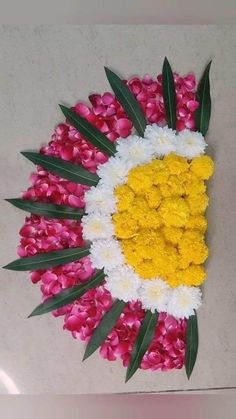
(127, 379)
(108, 72)
(28, 154)
(166, 62)
(188, 373)
(86, 355)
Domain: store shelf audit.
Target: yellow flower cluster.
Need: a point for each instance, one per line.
(160, 219)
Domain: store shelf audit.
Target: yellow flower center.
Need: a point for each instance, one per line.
(160, 219)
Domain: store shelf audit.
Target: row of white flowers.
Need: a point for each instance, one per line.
(105, 251)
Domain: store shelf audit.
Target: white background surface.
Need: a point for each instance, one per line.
(42, 66)
(118, 12)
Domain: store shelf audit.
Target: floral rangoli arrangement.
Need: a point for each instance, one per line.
(116, 231)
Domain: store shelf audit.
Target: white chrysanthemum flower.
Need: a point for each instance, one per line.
(97, 226)
(113, 172)
(100, 199)
(134, 149)
(154, 295)
(106, 254)
(162, 141)
(123, 283)
(190, 144)
(183, 301)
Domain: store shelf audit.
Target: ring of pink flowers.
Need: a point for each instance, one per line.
(167, 350)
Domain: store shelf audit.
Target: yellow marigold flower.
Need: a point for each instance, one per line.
(197, 203)
(194, 185)
(202, 166)
(146, 269)
(173, 187)
(161, 177)
(140, 203)
(197, 222)
(174, 212)
(192, 248)
(191, 276)
(172, 234)
(140, 179)
(172, 280)
(130, 252)
(149, 219)
(147, 243)
(159, 171)
(153, 197)
(157, 165)
(125, 226)
(125, 197)
(169, 260)
(176, 164)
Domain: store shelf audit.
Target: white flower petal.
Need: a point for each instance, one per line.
(161, 140)
(154, 294)
(123, 283)
(134, 150)
(96, 226)
(106, 254)
(100, 199)
(183, 301)
(113, 172)
(190, 144)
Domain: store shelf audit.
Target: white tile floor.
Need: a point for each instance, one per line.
(42, 66)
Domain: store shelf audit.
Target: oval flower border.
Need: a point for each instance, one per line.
(141, 343)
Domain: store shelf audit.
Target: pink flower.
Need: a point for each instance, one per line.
(167, 350)
(149, 94)
(57, 279)
(84, 315)
(39, 235)
(47, 187)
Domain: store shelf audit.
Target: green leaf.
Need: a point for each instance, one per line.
(203, 112)
(191, 344)
(48, 260)
(67, 296)
(47, 210)
(92, 134)
(128, 101)
(143, 341)
(169, 95)
(62, 168)
(103, 329)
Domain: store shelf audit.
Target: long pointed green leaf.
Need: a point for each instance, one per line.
(47, 210)
(128, 101)
(62, 168)
(169, 95)
(191, 344)
(48, 260)
(104, 328)
(92, 134)
(203, 113)
(67, 296)
(144, 338)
